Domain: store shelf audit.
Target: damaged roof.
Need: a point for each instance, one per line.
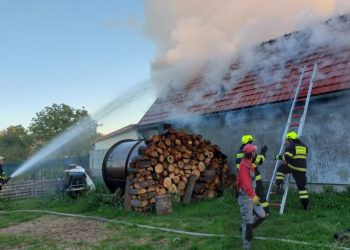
(333, 74)
(115, 133)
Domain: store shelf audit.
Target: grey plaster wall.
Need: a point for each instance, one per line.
(326, 133)
(96, 160)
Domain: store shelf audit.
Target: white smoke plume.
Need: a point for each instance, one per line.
(203, 37)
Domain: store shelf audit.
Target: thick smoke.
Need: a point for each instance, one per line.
(204, 37)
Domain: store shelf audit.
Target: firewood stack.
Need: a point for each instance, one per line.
(142, 186)
(167, 163)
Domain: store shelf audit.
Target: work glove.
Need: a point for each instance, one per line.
(263, 150)
(256, 200)
(277, 157)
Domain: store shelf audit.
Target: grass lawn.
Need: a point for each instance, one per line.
(329, 214)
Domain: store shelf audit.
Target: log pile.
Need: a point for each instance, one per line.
(142, 186)
(166, 164)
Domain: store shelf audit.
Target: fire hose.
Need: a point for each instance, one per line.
(171, 230)
(4, 182)
(7, 180)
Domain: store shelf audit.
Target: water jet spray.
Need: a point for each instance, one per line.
(71, 133)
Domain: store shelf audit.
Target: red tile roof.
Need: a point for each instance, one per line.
(333, 75)
(114, 133)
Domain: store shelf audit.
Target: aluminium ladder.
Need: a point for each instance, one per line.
(296, 113)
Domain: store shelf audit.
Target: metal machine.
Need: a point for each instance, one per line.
(74, 182)
(116, 163)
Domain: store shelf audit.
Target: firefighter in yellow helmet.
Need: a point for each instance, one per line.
(258, 160)
(294, 162)
(2, 172)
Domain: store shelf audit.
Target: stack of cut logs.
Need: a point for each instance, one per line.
(186, 166)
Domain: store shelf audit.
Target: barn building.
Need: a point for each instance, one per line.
(258, 105)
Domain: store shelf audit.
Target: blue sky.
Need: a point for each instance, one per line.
(80, 52)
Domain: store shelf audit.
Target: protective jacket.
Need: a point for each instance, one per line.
(2, 175)
(295, 163)
(295, 156)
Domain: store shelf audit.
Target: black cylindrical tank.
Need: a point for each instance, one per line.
(116, 162)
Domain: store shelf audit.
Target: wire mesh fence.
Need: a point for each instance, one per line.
(28, 188)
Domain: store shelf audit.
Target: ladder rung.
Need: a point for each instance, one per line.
(294, 125)
(304, 85)
(302, 94)
(275, 204)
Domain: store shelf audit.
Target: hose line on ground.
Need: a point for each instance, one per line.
(168, 229)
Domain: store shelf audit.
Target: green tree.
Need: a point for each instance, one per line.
(53, 121)
(15, 143)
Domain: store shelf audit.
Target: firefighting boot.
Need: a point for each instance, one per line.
(342, 235)
(306, 205)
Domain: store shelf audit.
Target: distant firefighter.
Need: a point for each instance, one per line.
(2, 173)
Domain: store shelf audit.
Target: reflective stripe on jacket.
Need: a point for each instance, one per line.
(258, 160)
(296, 155)
(2, 175)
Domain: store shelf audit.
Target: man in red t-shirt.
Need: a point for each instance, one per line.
(252, 213)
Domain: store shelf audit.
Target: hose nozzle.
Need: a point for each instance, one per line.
(7, 180)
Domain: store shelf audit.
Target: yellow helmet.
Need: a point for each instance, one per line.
(292, 135)
(247, 138)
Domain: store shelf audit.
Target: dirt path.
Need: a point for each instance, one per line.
(87, 230)
(62, 230)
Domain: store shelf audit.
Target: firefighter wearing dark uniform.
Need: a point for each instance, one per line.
(258, 160)
(295, 156)
(2, 172)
